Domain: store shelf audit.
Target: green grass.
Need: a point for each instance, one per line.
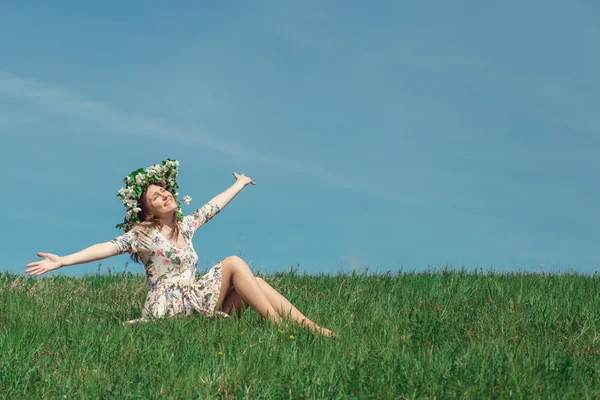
(432, 335)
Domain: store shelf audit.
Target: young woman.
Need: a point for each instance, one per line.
(157, 234)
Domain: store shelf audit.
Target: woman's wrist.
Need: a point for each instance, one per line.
(240, 184)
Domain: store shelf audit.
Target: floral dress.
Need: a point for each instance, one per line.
(171, 271)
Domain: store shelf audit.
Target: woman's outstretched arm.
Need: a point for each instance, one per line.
(221, 200)
(51, 261)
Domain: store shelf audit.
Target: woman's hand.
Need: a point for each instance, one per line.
(243, 179)
(49, 263)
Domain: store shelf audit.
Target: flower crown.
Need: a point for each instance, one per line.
(137, 183)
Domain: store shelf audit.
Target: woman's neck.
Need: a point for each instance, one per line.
(168, 221)
(168, 224)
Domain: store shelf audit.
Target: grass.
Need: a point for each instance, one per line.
(443, 334)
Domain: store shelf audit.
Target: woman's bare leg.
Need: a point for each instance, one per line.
(285, 308)
(236, 273)
(234, 302)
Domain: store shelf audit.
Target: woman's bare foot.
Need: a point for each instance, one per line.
(326, 332)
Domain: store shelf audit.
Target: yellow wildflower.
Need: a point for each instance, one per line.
(292, 337)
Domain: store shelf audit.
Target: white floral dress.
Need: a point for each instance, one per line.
(171, 271)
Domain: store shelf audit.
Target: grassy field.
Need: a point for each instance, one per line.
(431, 335)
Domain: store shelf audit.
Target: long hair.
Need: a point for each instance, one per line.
(153, 222)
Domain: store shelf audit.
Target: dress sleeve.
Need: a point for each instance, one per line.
(133, 241)
(201, 216)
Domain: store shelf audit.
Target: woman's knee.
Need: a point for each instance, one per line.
(234, 263)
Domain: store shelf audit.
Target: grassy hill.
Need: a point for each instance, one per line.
(427, 335)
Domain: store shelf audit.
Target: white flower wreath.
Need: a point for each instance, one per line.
(137, 183)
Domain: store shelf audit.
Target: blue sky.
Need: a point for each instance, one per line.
(390, 136)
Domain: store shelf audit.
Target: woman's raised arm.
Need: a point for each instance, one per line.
(51, 261)
(221, 200)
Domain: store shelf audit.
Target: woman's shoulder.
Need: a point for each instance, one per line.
(142, 234)
(143, 229)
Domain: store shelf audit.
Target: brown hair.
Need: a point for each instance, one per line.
(154, 222)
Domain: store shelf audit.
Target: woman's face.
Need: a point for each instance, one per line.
(160, 201)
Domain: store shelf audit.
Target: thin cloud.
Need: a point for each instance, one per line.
(68, 102)
(26, 216)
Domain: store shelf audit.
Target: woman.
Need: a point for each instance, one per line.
(157, 234)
